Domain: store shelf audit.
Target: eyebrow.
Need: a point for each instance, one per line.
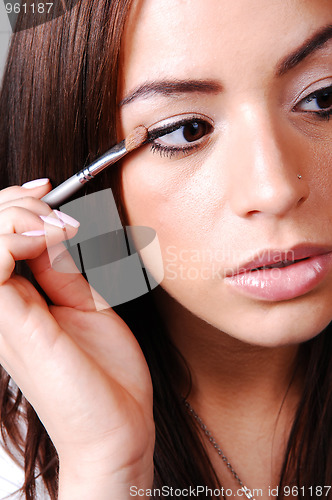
(173, 87)
(315, 42)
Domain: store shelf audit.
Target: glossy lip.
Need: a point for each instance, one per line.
(269, 257)
(308, 267)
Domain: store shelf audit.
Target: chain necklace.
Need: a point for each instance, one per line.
(216, 446)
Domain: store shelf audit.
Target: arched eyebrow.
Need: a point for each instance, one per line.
(311, 45)
(174, 87)
(170, 87)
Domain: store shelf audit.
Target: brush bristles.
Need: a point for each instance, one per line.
(136, 138)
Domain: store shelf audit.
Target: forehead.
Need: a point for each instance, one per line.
(184, 38)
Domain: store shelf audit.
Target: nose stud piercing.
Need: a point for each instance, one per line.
(299, 176)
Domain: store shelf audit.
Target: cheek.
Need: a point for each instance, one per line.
(179, 199)
(183, 202)
(320, 171)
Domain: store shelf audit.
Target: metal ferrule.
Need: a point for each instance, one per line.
(84, 176)
(61, 193)
(111, 156)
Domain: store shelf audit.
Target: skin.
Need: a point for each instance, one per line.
(236, 194)
(241, 354)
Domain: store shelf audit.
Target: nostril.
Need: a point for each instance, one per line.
(253, 212)
(301, 200)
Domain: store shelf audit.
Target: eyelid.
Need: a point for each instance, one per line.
(164, 127)
(316, 93)
(312, 89)
(312, 96)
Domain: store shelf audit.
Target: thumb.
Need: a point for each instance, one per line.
(68, 287)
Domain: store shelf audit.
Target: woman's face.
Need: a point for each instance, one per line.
(243, 177)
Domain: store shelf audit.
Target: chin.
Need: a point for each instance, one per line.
(280, 332)
(252, 322)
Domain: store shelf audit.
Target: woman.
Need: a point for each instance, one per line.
(236, 338)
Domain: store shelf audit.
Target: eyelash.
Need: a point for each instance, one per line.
(171, 151)
(321, 115)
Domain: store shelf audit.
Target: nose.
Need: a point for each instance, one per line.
(268, 174)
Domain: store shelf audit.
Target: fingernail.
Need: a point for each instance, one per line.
(67, 219)
(34, 233)
(35, 183)
(52, 221)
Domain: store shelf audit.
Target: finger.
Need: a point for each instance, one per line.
(37, 189)
(30, 245)
(29, 203)
(58, 275)
(19, 220)
(16, 247)
(26, 237)
(67, 288)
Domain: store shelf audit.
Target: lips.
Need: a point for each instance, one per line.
(277, 275)
(278, 265)
(273, 258)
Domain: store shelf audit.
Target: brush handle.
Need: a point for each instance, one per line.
(61, 193)
(64, 191)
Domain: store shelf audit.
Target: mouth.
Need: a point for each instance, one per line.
(277, 259)
(282, 275)
(278, 265)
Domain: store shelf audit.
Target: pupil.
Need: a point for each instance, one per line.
(194, 131)
(324, 101)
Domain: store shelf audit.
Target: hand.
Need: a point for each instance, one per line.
(82, 370)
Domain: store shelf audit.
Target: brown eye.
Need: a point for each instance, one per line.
(180, 137)
(324, 100)
(182, 134)
(195, 130)
(319, 102)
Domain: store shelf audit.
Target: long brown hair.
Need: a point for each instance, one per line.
(58, 110)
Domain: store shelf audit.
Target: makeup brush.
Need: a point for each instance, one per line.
(61, 193)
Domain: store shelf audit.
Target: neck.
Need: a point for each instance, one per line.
(246, 395)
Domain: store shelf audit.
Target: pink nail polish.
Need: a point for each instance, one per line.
(35, 183)
(53, 221)
(34, 233)
(67, 219)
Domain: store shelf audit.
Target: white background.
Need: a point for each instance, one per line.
(5, 32)
(11, 476)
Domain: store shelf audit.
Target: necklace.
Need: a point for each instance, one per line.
(216, 446)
